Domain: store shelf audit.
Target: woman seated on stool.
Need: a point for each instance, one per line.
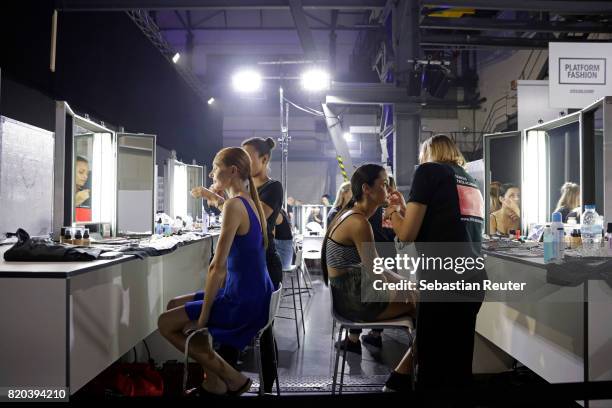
(348, 246)
(238, 288)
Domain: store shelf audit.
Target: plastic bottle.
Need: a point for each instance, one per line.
(548, 245)
(558, 235)
(591, 231)
(205, 220)
(609, 239)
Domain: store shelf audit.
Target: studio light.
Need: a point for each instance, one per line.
(246, 81)
(348, 136)
(176, 57)
(211, 101)
(315, 80)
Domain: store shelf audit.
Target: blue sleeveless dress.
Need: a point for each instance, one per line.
(241, 307)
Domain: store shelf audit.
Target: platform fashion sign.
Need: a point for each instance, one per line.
(579, 73)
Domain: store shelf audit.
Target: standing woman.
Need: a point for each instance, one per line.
(271, 196)
(445, 207)
(235, 302)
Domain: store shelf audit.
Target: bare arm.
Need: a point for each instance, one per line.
(218, 267)
(363, 238)
(407, 226)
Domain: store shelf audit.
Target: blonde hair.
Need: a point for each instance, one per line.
(342, 190)
(494, 189)
(441, 149)
(570, 196)
(237, 156)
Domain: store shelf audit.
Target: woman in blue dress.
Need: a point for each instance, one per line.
(238, 288)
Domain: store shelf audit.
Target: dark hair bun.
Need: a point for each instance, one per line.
(270, 142)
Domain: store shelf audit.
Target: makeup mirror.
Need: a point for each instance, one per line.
(135, 183)
(502, 168)
(93, 172)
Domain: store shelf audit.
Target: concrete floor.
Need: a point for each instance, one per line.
(309, 368)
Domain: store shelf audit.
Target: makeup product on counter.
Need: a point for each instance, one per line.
(67, 237)
(86, 241)
(609, 239)
(549, 250)
(558, 234)
(78, 237)
(575, 239)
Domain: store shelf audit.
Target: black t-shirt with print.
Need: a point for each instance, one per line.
(453, 222)
(454, 204)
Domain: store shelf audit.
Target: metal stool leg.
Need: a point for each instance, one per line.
(276, 369)
(297, 277)
(259, 365)
(340, 330)
(343, 365)
(297, 327)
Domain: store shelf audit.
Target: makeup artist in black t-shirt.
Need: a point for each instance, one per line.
(445, 207)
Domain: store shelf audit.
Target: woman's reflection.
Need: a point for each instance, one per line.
(508, 217)
(82, 198)
(569, 202)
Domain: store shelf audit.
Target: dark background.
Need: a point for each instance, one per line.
(106, 68)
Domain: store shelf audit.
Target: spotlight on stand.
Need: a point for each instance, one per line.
(211, 101)
(437, 80)
(315, 80)
(176, 57)
(246, 81)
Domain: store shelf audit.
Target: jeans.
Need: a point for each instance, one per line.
(284, 247)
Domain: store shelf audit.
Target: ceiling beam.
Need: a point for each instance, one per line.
(446, 40)
(301, 25)
(482, 24)
(286, 28)
(559, 6)
(126, 5)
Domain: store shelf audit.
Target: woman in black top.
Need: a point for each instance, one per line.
(445, 207)
(271, 197)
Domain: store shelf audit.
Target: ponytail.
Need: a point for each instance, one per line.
(260, 211)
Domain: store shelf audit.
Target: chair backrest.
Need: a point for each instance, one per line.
(275, 301)
(298, 258)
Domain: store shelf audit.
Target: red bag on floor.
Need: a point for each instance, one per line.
(137, 380)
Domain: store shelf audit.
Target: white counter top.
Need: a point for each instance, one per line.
(61, 269)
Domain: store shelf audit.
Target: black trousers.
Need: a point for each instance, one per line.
(445, 343)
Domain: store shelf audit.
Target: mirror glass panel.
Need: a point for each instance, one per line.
(135, 183)
(195, 178)
(503, 182)
(93, 173)
(314, 220)
(563, 156)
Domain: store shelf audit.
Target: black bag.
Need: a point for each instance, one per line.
(26, 250)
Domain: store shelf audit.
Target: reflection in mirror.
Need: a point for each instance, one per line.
(93, 173)
(564, 171)
(135, 183)
(195, 178)
(599, 159)
(314, 220)
(503, 176)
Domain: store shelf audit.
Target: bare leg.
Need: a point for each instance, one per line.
(171, 324)
(180, 301)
